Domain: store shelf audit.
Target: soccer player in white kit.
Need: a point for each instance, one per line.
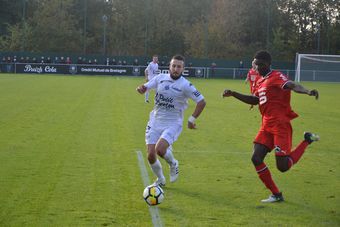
(150, 72)
(166, 119)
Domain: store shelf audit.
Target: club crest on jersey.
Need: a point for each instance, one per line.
(167, 87)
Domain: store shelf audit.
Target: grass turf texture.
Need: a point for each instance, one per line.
(68, 157)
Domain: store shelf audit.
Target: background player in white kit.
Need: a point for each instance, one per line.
(166, 119)
(150, 72)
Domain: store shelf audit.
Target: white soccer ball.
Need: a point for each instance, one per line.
(153, 195)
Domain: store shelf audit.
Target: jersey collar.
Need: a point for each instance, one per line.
(175, 78)
(268, 74)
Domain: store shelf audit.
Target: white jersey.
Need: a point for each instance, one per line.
(171, 98)
(152, 70)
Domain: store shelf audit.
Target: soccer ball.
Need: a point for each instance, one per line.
(153, 195)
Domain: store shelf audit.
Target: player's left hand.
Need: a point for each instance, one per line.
(315, 93)
(191, 125)
(227, 93)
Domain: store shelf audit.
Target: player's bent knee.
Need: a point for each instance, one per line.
(256, 160)
(282, 168)
(282, 163)
(152, 157)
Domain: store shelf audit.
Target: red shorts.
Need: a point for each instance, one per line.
(276, 135)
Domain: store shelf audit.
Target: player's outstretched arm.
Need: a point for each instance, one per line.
(298, 88)
(146, 72)
(249, 99)
(141, 89)
(197, 112)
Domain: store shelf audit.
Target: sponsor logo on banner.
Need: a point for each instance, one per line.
(73, 69)
(166, 71)
(40, 69)
(136, 71)
(102, 70)
(199, 72)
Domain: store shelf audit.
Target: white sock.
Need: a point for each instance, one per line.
(168, 156)
(157, 169)
(146, 96)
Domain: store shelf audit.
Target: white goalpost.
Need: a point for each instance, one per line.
(317, 67)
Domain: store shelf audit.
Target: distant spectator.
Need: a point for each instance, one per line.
(42, 60)
(113, 62)
(213, 69)
(124, 62)
(119, 62)
(240, 69)
(9, 60)
(84, 61)
(22, 60)
(3, 60)
(135, 62)
(241, 66)
(68, 60)
(34, 60)
(107, 61)
(27, 60)
(79, 61)
(15, 59)
(56, 60)
(48, 60)
(90, 62)
(62, 60)
(95, 62)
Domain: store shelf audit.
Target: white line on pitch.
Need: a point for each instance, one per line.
(154, 212)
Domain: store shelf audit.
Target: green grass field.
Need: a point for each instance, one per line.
(68, 157)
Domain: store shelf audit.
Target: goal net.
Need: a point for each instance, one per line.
(316, 67)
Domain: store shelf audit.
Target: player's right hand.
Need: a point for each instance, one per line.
(227, 93)
(141, 89)
(191, 125)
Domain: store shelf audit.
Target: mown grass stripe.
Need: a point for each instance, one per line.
(154, 212)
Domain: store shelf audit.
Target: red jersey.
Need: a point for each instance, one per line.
(252, 77)
(274, 100)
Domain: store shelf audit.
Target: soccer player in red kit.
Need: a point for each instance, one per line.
(252, 77)
(272, 93)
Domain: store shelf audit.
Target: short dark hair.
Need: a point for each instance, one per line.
(264, 56)
(178, 57)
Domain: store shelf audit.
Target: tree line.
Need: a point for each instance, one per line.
(197, 28)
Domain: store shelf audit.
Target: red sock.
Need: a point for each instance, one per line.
(265, 176)
(298, 152)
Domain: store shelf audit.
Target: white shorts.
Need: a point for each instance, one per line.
(169, 132)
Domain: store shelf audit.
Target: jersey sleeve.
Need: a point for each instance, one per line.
(151, 84)
(280, 80)
(193, 93)
(148, 68)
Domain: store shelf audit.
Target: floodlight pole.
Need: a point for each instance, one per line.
(146, 44)
(268, 23)
(104, 18)
(85, 25)
(23, 44)
(318, 37)
(205, 37)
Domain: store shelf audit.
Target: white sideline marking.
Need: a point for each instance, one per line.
(154, 212)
